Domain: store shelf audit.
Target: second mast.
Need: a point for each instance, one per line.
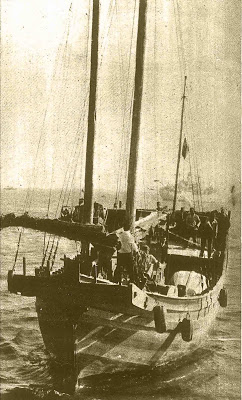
(88, 196)
(135, 135)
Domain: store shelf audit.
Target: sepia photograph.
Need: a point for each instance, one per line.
(120, 200)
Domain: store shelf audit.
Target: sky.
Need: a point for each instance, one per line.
(45, 80)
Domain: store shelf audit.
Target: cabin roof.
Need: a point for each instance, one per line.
(185, 252)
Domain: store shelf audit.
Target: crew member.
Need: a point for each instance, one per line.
(64, 213)
(98, 213)
(126, 251)
(223, 228)
(148, 268)
(192, 224)
(78, 213)
(147, 261)
(207, 234)
(180, 220)
(160, 230)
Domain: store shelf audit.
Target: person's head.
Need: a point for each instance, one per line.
(222, 211)
(145, 248)
(192, 212)
(126, 226)
(212, 216)
(182, 209)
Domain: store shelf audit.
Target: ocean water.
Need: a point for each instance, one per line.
(211, 372)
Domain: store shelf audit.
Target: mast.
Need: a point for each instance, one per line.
(180, 144)
(135, 135)
(88, 195)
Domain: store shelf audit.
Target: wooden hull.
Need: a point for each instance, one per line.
(107, 347)
(99, 328)
(103, 342)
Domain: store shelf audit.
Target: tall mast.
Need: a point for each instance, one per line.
(88, 196)
(135, 135)
(180, 144)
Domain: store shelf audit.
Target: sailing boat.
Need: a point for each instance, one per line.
(92, 323)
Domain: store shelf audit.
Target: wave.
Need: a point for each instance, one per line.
(37, 393)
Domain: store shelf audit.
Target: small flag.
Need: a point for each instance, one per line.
(185, 148)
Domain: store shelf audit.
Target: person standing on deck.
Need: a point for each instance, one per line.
(180, 219)
(223, 228)
(214, 224)
(192, 224)
(127, 249)
(207, 234)
(159, 231)
(78, 212)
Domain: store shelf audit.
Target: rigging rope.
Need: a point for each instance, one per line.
(105, 34)
(75, 153)
(119, 172)
(183, 68)
(197, 181)
(180, 47)
(143, 176)
(28, 198)
(86, 63)
(56, 64)
(48, 208)
(193, 195)
(16, 254)
(62, 197)
(75, 156)
(66, 53)
(155, 100)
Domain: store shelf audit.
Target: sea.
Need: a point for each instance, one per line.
(211, 372)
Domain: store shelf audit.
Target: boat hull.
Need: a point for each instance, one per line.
(94, 327)
(98, 341)
(114, 344)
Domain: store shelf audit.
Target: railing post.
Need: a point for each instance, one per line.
(167, 227)
(48, 267)
(95, 273)
(24, 266)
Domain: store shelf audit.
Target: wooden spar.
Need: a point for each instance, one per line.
(88, 196)
(180, 145)
(134, 146)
